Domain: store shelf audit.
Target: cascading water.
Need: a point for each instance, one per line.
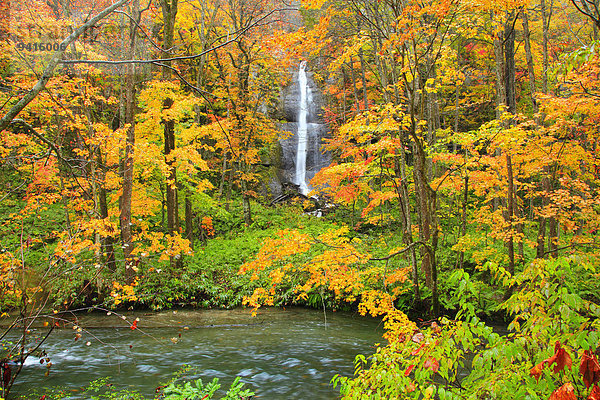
(301, 151)
(302, 134)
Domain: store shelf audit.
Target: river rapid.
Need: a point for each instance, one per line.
(280, 354)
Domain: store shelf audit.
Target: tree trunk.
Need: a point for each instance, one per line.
(356, 97)
(129, 120)
(509, 220)
(171, 184)
(509, 64)
(405, 209)
(541, 236)
(169, 12)
(463, 222)
(553, 237)
(189, 221)
(107, 243)
(500, 74)
(546, 14)
(520, 230)
(364, 78)
(552, 223)
(245, 197)
(421, 186)
(223, 175)
(435, 300)
(529, 58)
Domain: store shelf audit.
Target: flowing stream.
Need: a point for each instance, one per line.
(302, 131)
(280, 354)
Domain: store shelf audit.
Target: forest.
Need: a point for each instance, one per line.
(141, 158)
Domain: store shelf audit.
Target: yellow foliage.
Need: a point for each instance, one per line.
(338, 267)
(124, 293)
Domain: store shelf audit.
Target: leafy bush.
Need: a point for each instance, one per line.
(196, 390)
(101, 389)
(553, 332)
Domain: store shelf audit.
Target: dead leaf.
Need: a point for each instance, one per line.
(536, 371)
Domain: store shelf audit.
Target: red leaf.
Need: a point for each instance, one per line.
(589, 368)
(432, 364)
(565, 392)
(594, 394)
(409, 370)
(560, 357)
(133, 326)
(536, 371)
(417, 351)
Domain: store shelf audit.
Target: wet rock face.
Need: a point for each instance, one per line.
(317, 130)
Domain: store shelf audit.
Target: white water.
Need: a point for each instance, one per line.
(279, 354)
(302, 131)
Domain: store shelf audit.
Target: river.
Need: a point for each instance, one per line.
(280, 354)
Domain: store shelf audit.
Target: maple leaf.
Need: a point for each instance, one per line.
(565, 392)
(589, 369)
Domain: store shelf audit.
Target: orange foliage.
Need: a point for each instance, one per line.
(565, 392)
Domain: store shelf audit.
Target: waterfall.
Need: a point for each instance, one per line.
(301, 154)
(302, 134)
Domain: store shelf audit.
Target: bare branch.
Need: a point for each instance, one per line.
(239, 34)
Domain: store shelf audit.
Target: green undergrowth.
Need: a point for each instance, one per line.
(182, 386)
(210, 277)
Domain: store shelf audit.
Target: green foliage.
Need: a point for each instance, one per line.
(99, 389)
(210, 277)
(460, 291)
(191, 390)
(466, 359)
(196, 390)
(102, 389)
